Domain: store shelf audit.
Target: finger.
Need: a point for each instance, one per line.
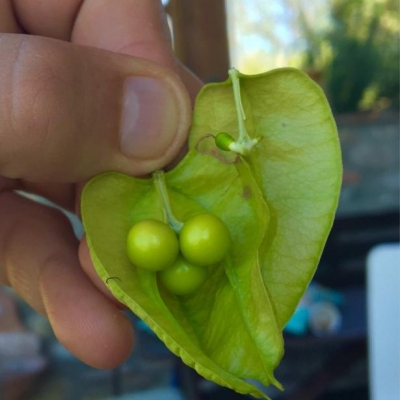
(142, 31)
(61, 194)
(69, 112)
(137, 28)
(8, 22)
(87, 323)
(50, 18)
(192, 83)
(38, 254)
(8, 184)
(88, 268)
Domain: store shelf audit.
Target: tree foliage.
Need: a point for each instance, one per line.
(351, 46)
(363, 53)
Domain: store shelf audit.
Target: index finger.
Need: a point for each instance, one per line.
(136, 27)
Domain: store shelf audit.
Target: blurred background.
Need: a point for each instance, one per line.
(343, 341)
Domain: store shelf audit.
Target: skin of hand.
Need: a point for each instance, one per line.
(86, 86)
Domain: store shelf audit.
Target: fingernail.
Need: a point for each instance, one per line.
(149, 118)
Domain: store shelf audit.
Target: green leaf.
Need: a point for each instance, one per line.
(248, 344)
(297, 166)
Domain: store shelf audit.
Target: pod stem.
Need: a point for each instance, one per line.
(241, 115)
(161, 187)
(245, 143)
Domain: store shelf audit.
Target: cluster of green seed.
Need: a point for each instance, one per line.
(179, 259)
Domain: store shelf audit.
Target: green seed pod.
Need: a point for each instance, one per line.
(204, 240)
(152, 245)
(183, 277)
(223, 141)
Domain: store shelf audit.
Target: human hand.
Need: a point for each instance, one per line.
(67, 113)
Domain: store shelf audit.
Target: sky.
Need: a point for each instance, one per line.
(265, 30)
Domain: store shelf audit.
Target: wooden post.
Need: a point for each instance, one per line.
(200, 37)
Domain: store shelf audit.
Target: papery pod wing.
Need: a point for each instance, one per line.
(297, 166)
(227, 330)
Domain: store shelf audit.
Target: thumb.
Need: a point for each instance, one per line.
(69, 112)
